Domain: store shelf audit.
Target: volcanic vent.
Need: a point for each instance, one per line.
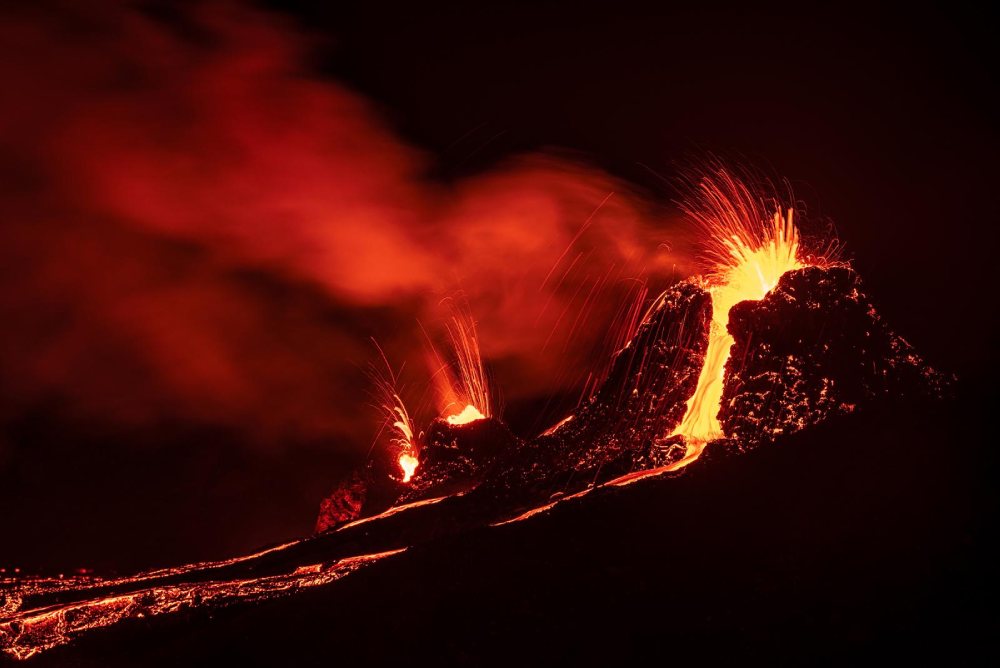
(774, 338)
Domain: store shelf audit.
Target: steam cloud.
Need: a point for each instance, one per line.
(197, 228)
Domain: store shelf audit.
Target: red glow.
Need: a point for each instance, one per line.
(224, 158)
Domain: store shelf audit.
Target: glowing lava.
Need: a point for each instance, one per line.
(462, 381)
(749, 255)
(408, 461)
(469, 414)
(397, 417)
(33, 630)
(409, 464)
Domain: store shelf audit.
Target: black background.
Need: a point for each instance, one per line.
(882, 119)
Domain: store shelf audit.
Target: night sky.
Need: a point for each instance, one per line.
(188, 295)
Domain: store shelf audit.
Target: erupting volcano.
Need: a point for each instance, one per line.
(748, 254)
(751, 263)
(775, 337)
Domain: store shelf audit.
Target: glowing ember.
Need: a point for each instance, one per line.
(409, 464)
(469, 414)
(748, 256)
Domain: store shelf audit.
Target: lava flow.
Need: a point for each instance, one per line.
(748, 255)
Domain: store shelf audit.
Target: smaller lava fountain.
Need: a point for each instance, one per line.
(471, 387)
(463, 383)
(396, 416)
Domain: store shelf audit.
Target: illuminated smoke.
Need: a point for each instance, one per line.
(198, 229)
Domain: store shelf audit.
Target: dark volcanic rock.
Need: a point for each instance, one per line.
(455, 458)
(812, 348)
(344, 504)
(367, 491)
(620, 429)
(622, 426)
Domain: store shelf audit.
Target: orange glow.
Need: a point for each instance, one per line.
(395, 510)
(469, 414)
(403, 438)
(749, 251)
(409, 464)
(752, 268)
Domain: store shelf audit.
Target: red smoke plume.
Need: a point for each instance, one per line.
(198, 228)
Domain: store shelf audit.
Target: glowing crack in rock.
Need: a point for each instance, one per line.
(395, 510)
(32, 631)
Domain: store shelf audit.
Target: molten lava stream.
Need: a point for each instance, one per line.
(749, 263)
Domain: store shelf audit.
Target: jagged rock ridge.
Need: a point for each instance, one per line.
(814, 347)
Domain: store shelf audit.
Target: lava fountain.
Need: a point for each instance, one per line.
(463, 388)
(409, 464)
(748, 251)
(460, 382)
(396, 416)
(403, 427)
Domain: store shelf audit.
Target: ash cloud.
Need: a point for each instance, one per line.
(198, 228)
